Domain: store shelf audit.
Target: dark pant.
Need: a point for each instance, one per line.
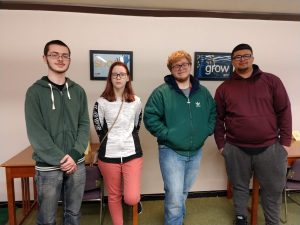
(269, 167)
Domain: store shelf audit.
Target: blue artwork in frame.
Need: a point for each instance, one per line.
(212, 65)
(101, 60)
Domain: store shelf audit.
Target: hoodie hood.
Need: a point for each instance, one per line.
(256, 72)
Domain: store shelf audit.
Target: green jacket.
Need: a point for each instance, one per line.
(181, 123)
(56, 126)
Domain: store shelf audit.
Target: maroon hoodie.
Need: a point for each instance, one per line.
(253, 112)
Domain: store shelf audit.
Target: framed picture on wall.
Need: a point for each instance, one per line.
(101, 60)
(212, 65)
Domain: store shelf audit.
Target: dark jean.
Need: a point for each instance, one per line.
(179, 173)
(53, 186)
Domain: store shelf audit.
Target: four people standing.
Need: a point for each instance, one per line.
(253, 132)
(58, 127)
(181, 114)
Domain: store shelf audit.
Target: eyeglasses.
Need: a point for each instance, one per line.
(116, 75)
(240, 57)
(55, 55)
(183, 66)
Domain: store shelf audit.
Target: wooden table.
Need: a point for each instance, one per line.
(294, 153)
(23, 166)
(20, 166)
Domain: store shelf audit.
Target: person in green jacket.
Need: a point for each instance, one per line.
(57, 124)
(181, 113)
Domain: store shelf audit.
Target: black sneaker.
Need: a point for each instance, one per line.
(240, 220)
(139, 207)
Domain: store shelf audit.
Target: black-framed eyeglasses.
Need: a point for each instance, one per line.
(55, 55)
(240, 57)
(116, 75)
(183, 66)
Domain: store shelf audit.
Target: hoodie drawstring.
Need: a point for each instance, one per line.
(68, 90)
(52, 97)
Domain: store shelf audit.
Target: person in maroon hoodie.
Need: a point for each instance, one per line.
(253, 133)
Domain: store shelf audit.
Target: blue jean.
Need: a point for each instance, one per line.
(56, 185)
(178, 173)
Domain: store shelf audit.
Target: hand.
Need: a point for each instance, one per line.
(221, 150)
(68, 165)
(287, 148)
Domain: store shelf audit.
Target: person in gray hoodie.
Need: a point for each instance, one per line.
(57, 122)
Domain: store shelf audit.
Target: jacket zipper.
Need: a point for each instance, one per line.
(191, 120)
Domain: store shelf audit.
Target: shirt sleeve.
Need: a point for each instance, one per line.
(219, 133)
(282, 107)
(38, 136)
(138, 115)
(98, 118)
(83, 130)
(212, 114)
(154, 116)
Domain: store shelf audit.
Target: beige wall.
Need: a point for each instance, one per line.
(24, 33)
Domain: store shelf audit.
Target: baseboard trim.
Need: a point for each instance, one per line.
(196, 194)
(3, 204)
(18, 204)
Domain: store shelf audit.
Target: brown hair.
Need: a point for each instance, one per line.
(55, 42)
(109, 93)
(175, 56)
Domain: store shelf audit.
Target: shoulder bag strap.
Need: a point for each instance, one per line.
(112, 124)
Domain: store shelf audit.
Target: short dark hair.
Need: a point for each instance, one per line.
(55, 42)
(241, 47)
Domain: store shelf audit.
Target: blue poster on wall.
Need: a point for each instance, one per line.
(212, 65)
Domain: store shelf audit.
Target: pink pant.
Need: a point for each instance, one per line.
(114, 174)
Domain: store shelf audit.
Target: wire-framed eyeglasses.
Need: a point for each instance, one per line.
(182, 66)
(240, 57)
(56, 55)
